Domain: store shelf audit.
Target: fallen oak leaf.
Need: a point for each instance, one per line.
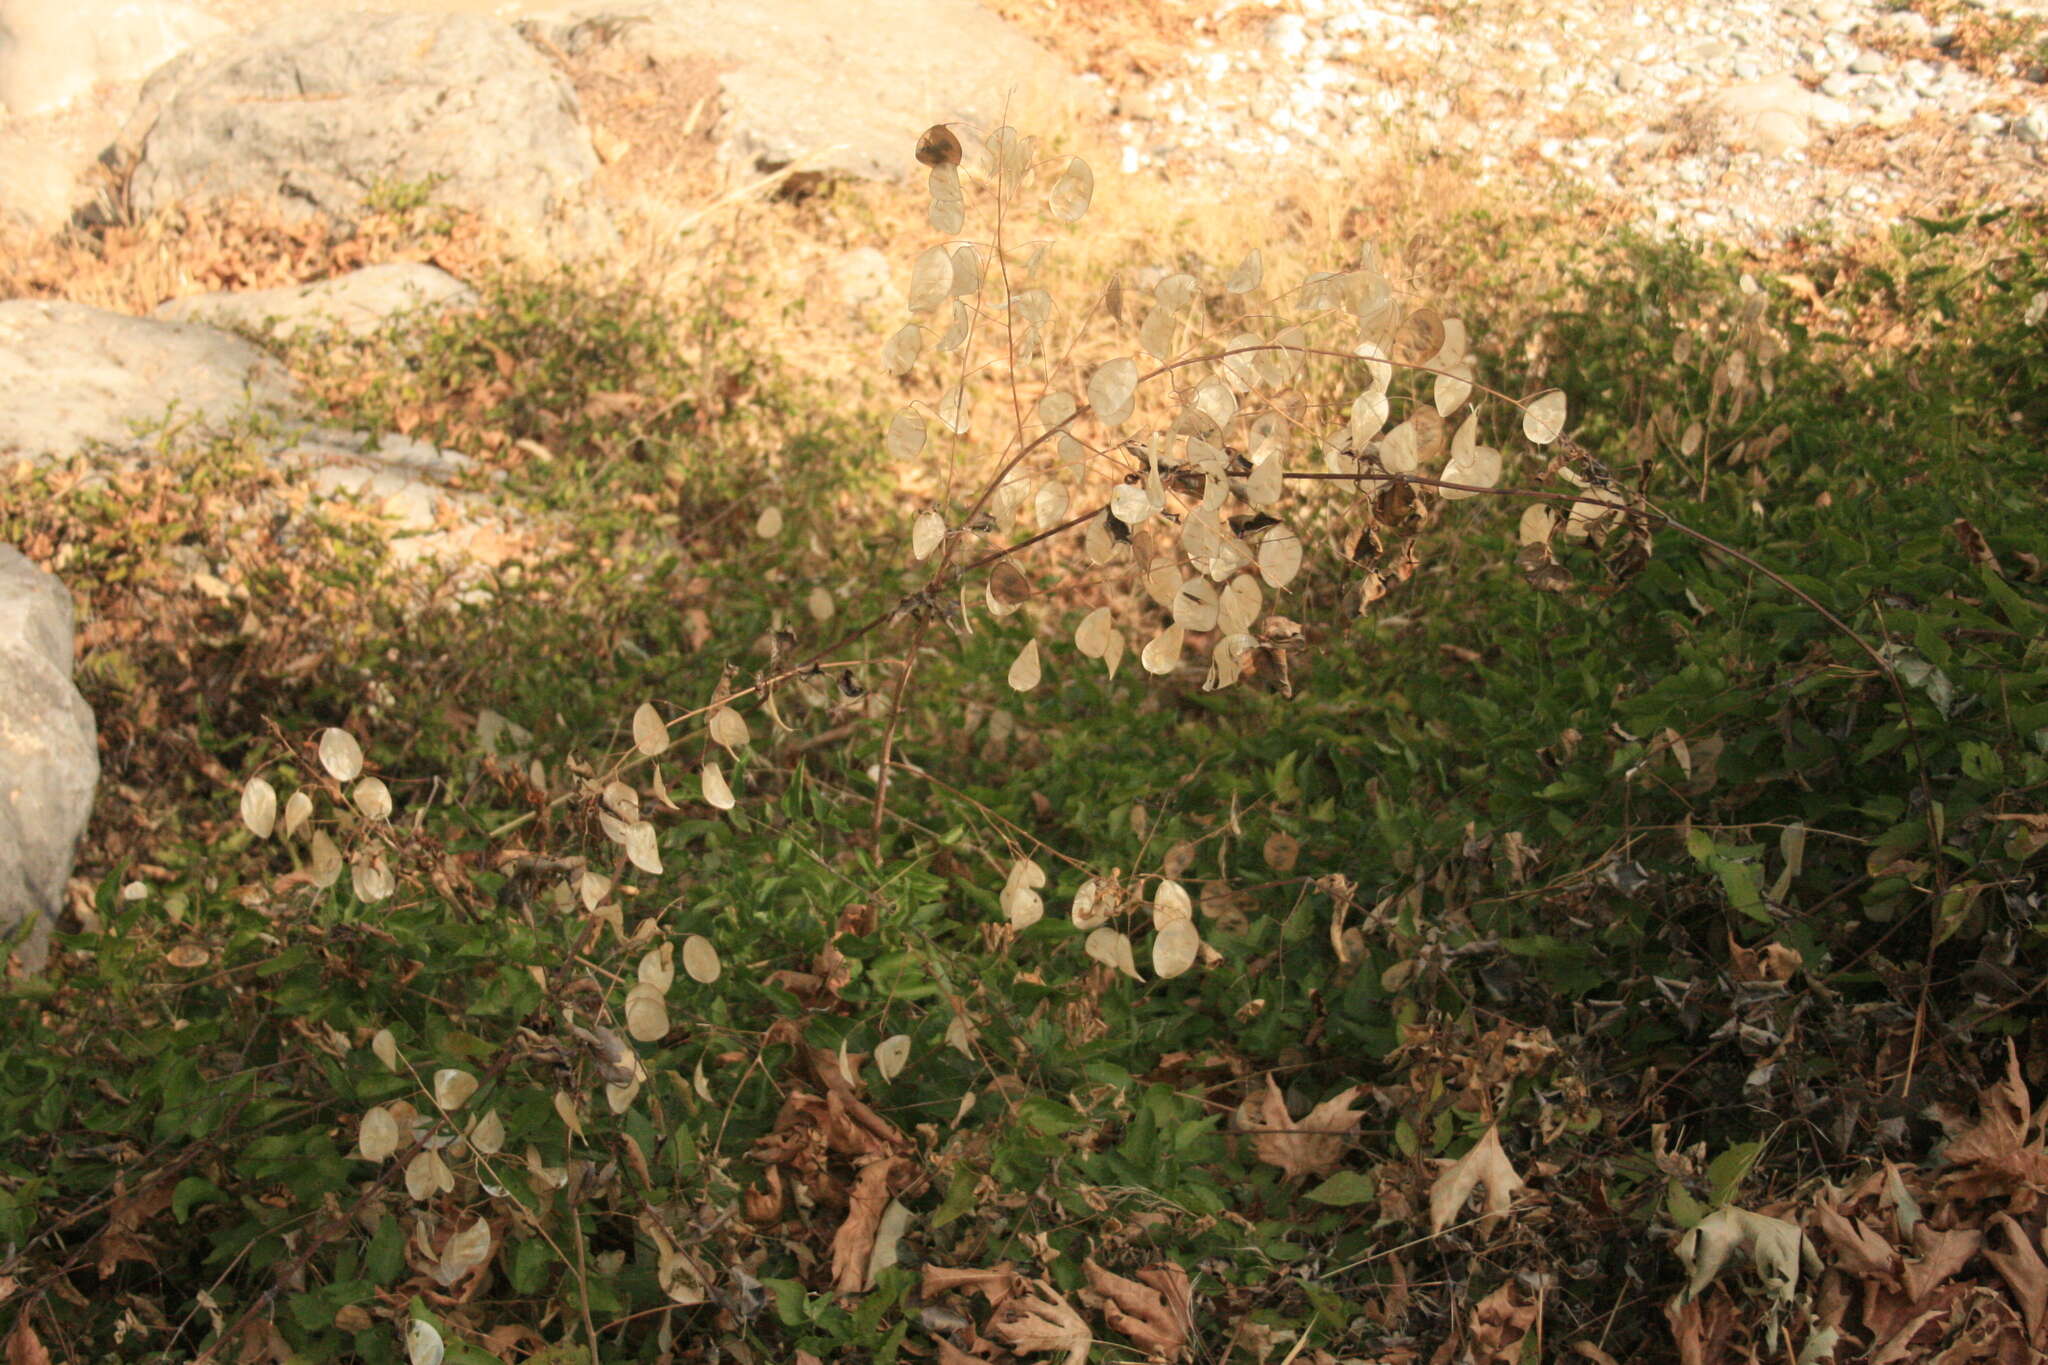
(1486, 1164)
(1156, 1315)
(854, 1243)
(1500, 1325)
(24, 1347)
(1776, 1248)
(1043, 1320)
(1313, 1146)
(2024, 1271)
(995, 1284)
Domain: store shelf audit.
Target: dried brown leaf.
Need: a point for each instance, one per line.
(1313, 1146)
(24, 1347)
(1500, 1324)
(1043, 1320)
(1156, 1314)
(996, 1284)
(2022, 1269)
(855, 1240)
(1486, 1164)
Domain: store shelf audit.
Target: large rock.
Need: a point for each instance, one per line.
(53, 51)
(1777, 114)
(355, 304)
(72, 377)
(49, 756)
(841, 87)
(328, 111)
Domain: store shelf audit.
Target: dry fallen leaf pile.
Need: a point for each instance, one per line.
(1933, 1267)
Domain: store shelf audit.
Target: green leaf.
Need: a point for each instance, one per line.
(195, 1190)
(1727, 1171)
(1345, 1189)
(1683, 1208)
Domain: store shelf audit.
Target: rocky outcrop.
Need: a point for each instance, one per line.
(50, 54)
(332, 112)
(841, 88)
(49, 756)
(355, 304)
(72, 377)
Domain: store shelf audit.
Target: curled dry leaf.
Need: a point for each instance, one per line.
(906, 435)
(931, 277)
(423, 1345)
(1486, 1164)
(938, 146)
(1020, 901)
(297, 810)
(728, 729)
(487, 1134)
(1501, 1322)
(650, 731)
(711, 781)
(377, 1138)
(1248, 274)
(700, 959)
(646, 1014)
(900, 352)
(373, 798)
(427, 1175)
(1775, 1247)
(854, 1242)
(465, 1251)
(891, 1054)
(1072, 192)
(371, 880)
(1093, 904)
(1279, 556)
(453, 1087)
(1112, 391)
(340, 755)
(1112, 948)
(1543, 417)
(1162, 655)
(926, 533)
(1024, 671)
(1175, 948)
(1314, 1145)
(1156, 1310)
(1091, 637)
(1042, 1320)
(640, 848)
(259, 807)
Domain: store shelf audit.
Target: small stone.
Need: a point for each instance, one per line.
(1286, 35)
(1985, 125)
(1627, 77)
(2032, 128)
(1867, 63)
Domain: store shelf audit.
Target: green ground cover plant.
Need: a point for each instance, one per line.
(781, 924)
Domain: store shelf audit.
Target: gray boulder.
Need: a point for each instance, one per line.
(843, 88)
(72, 377)
(49, 756)
(52, 53)
(324, 112)
(354, 304)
